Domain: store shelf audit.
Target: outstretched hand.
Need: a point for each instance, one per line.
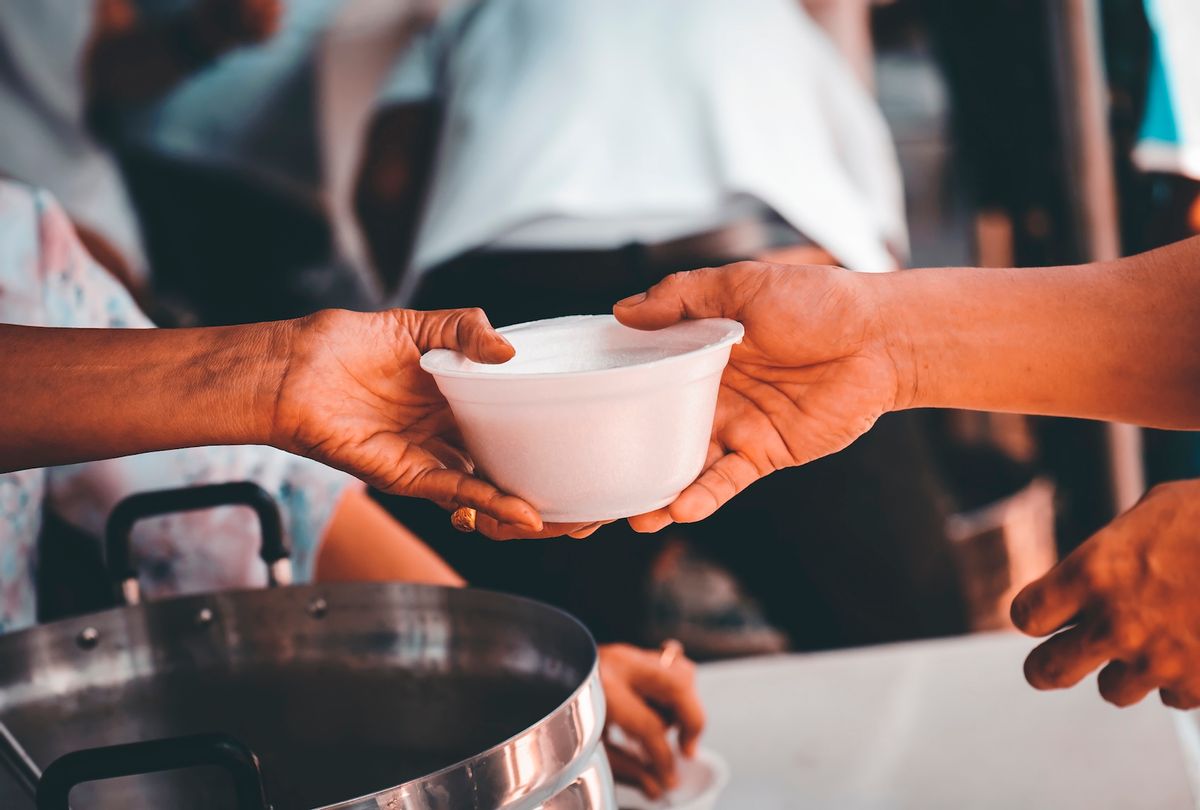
(1126, 602)
(352, 395)
(813, 374)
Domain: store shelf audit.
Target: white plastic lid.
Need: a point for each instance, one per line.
(581, 345)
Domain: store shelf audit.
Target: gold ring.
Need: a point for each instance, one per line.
(463, 519)
(670, 652)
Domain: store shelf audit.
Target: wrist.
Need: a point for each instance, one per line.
(248, 365)
(890, 330)
(274, 345)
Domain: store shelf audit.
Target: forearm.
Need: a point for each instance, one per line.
(73, 395)
(365, 544)
(1115, 341)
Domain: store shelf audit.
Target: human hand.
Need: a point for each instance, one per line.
(226, 24)
(813, 373)
(496, 531)
(350, 393)
(1127, 599)
(645, 700)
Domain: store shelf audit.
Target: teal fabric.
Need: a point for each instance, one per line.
(1159, 123)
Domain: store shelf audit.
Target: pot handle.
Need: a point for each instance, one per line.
(119, 531)
(131, 759)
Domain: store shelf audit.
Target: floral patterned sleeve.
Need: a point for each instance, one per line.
(184, 553)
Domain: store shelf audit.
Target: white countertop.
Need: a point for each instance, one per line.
(929, 725)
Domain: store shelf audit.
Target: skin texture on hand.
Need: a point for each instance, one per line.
(1127, 600)
(351, 394)
(812, 375)
(645, 701)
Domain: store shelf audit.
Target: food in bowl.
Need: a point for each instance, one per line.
(591, 420)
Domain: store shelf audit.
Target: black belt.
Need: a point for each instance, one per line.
(636, 264)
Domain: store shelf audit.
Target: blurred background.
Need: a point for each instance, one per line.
(237, 160)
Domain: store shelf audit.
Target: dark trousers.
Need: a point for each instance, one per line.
(230, 250)
(847, 550)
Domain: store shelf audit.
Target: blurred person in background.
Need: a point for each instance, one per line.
(333, 530)
(63, 60)
(544, 159)
(162, 124)
(237, 151)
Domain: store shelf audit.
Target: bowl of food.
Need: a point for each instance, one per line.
(591, 420)
(701, 780)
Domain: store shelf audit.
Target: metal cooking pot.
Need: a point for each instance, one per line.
(350, 696)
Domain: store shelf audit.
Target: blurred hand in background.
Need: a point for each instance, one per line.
(647, 697)
(1127, 600)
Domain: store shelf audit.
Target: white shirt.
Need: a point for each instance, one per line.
(595, 123)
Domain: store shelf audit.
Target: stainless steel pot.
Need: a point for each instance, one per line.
(353, 696)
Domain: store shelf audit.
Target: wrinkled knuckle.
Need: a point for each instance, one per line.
(1127, 636)
(327, 319)
(673, 280)
(1092, 573)
(1167, 662)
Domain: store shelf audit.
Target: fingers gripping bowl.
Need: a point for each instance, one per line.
(591, 420)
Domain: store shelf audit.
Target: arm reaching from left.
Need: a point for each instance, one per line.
(343, 388)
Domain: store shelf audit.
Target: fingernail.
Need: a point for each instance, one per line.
(633, 300)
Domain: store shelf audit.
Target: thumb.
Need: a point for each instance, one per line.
(682, 296)
(463, 330)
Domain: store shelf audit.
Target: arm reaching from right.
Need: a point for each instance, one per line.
(828, 351)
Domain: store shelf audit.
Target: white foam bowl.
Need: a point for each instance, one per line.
(591, 420)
